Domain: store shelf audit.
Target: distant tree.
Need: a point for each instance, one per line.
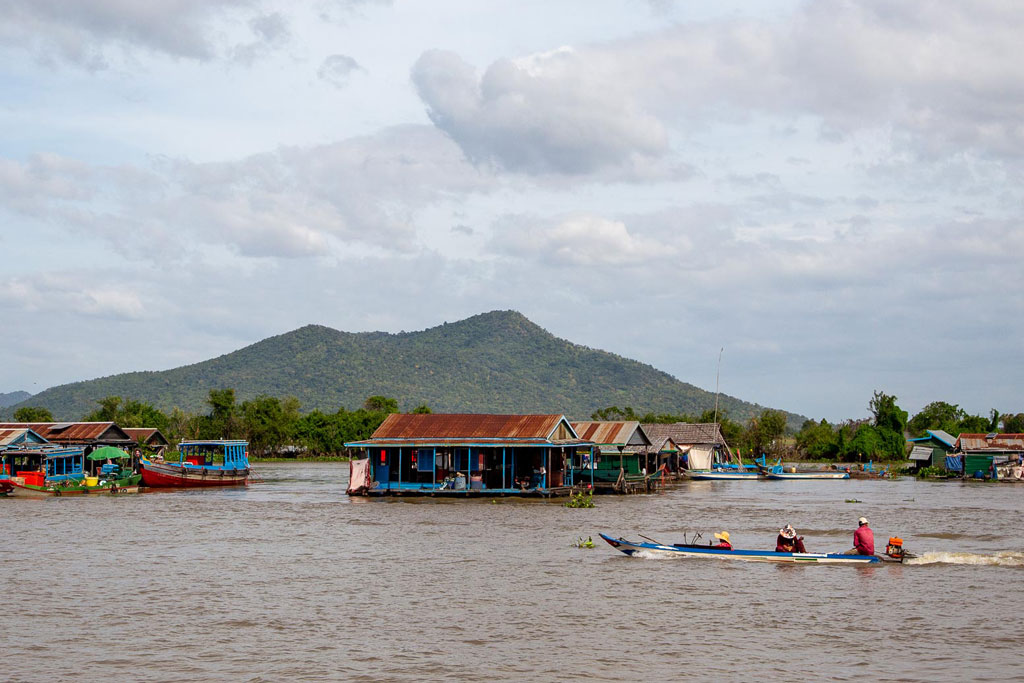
(269, 423)
(381, 404)
(422, 409)
(222, 422)
(130, 413)
(974, 424)
(818, 440)
(887, 414)
(763, 432)
(882, 438)
(936, 415)
(1012, 424)
(107, 412)
(182, 425)
(867, 444)
(32, 414)
(614, 414)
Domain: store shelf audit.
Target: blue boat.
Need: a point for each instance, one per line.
(692, 550)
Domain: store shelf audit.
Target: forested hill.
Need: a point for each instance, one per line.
(494, 362)
(13, 397)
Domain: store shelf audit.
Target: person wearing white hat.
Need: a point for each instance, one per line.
(723, 537)
(863, 539)
(788, 542)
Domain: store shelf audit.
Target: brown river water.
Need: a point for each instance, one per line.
(289, 579)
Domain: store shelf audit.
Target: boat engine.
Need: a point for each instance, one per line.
(895, 548)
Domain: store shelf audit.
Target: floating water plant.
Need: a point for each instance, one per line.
(580, 500)
(580, 543)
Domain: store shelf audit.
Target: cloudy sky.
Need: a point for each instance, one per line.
(830, 191)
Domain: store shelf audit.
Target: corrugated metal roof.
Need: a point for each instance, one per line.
(74, 432)
(996, 442)
(467, 426)
(145, 434)
(920, 453)
(9, 435)
(686, 433)
(944, 437)
(612, 433)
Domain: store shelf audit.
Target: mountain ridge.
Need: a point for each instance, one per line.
(496, 362)
(13, 398)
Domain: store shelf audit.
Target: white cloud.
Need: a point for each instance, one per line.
(64, 297)
(576, 240)
(542, 114)
(292, 203)
(89, 32)
(940, 78)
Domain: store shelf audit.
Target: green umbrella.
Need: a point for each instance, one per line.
(108, 453)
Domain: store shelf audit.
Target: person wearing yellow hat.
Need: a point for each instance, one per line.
(723, 537)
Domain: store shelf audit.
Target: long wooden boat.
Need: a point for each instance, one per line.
(196, 466)
(641, 548)
(20, 488)
(713, 475)
(808, 475)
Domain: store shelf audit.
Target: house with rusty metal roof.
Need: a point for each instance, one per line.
(700, 444)
(19, 437)
(77, 433)
(990, 444)
(467, 455)
(620, 451)
(148, 436)
(985, 453)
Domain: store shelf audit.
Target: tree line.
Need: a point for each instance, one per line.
(883, 436)
(271, 425)
(274, 426)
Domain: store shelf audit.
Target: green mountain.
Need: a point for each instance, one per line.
(13, 398)
(496, 362)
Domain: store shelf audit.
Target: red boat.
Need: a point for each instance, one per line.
(200, 463)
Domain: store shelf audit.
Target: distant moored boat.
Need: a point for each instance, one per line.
(198, 465)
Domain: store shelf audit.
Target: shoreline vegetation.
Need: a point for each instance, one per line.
(278, 431)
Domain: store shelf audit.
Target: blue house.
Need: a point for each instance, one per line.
(467, 455)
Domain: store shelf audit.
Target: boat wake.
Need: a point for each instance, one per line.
(1003, 559)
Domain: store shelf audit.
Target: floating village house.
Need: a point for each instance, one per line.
(16, 438)
(619, 452)
(984, 452)
(468, 454)
(933, 449)
(699, 445)
(150, 437)
(88, 434)
(66, 448)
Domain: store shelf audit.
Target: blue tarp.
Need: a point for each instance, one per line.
(954, 463)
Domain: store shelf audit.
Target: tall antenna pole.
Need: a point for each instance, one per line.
(717, 373)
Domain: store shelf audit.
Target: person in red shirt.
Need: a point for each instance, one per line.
(788, 542)
(863, 539)
(723, 537)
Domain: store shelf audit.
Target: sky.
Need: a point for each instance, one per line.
(825, 195)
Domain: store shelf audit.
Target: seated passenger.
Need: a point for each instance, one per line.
(863, 539)
(787, 542)
(723, 537)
